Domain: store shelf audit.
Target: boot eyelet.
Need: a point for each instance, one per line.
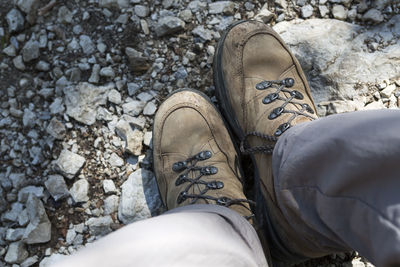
(182, 197)
(209, 170)
(259, 86)
(204, 155)
(223, 201)
(270, 98)
(282, 128)
(215, 185)
(297, 95)
(288, 82)
(308, 108)
(181, 179)
(179, 166)
(263, 85)
(276, 113)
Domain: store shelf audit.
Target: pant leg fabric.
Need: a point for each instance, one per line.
(195, 235)
(337, 183)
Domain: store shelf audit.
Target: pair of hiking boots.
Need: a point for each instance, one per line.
(262, 92)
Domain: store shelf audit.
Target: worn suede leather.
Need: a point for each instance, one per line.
(186, 124)
(252, 52)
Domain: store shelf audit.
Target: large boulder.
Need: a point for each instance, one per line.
(336, 57)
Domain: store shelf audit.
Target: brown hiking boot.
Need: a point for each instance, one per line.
(263, 92)
(195, 160)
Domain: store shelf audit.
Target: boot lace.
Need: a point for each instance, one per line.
(280, 86)
(189, 165)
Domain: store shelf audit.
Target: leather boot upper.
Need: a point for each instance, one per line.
(194, 158)
(266, 89)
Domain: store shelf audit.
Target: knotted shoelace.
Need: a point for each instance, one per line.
(189, 165)
(281, 86)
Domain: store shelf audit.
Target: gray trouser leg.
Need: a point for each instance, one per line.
(196, 235)
(337, 183)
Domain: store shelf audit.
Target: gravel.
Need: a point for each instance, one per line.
(149, 109)
(111, 204)
(30, 51)
(79, 191)
(15, 20)
(29, 118)
(14, 234)
(133, 107)
(114, 97)
(109, 186)
(10, 51)
(69, 163)
(56, 129)
(12, 214)
(86, 44)
(30, 261)
(25, 192)
(57, 187)
(115, 160)
(29, 7)
(83, 100)
(374, 16)
(80, 83)
(16, 253)
(18, 63)
(339, 12)
(139, 187)
(100, 226)
(107, 72)
(65, 15)
(168, 25)
(225, 7)
(17, 179)
(307, 11)
(141, 11)
(39, 227)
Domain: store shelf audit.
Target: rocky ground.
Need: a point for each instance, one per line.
(80, 82)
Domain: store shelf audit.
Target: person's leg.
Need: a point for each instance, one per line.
(337, 184)
(195, 235)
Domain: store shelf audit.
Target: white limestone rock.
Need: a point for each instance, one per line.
(79, 191)
(82, 101)
(99, 226)
(139, 197)
(221, 7)
(109, 186)
(111, 204)
(69, 164)
(16, 253)
(115, 160)
(335, 58)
